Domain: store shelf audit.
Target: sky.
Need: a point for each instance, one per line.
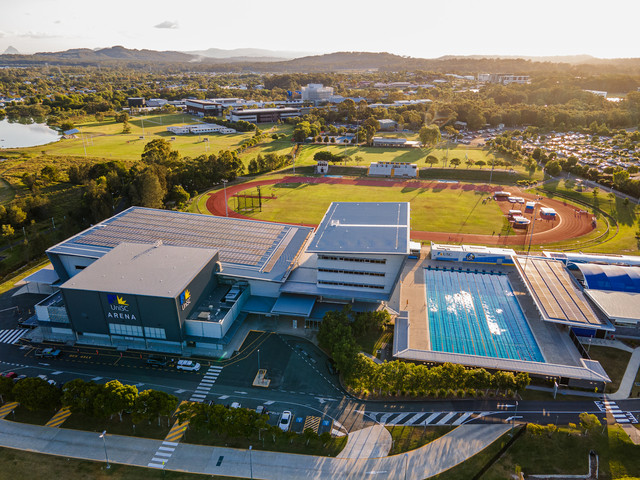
(417, 28)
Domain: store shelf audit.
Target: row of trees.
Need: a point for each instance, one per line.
(339, 332)
(90, 398)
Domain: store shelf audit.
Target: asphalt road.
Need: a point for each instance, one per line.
(300, 382)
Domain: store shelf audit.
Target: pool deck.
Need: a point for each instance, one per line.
(552, 339)
(413, 299)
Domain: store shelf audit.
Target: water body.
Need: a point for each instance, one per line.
(18, 135)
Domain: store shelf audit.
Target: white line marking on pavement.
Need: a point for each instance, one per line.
(446, 418)
(431, 417)
(171, 444)
(462, 418)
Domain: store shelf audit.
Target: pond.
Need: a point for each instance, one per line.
(18, 135)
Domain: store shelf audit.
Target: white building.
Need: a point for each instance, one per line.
(199, 129)
(393, 169)
(316, 92)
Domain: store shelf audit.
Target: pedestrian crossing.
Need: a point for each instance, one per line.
(207, 382)
(12, 335)
(608, 406)
(423, 418)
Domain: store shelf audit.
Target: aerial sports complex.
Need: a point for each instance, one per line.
(184, 283)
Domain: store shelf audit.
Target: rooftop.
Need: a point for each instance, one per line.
(619, 306)
(142, 269)
(363, 228)
(247, 248)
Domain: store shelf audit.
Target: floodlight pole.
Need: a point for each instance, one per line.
(226, 209)
(258, 359)
(104, 441)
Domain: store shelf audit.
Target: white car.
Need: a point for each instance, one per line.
(285, 421)
(188, 365)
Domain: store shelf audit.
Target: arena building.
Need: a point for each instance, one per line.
(166, 280)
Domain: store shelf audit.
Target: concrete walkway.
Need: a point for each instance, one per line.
(603, 342)
(629, 377)
(370, 442)
(436, 457)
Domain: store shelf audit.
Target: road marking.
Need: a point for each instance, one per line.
(95, 379)
(167, 449)
(398, 419)
(155, 465)
(171, 444)
(269, 402)
(57, 373)
(180, 391)
(197, 395)
(224, 397)
(12, 336)
(431, 417)
(460, 420)
(164, 454)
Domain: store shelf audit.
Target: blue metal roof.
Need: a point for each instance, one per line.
(611, 277)
(290, 304)
(362, 227)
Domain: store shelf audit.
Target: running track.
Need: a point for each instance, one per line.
(569, 226)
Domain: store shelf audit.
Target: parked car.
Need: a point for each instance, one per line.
(235, 405)
(157, 360)
(262, 410)
(10, 375)
(47, 353)
(188, 365)
(285, 421)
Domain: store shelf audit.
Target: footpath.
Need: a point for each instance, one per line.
(436, 457)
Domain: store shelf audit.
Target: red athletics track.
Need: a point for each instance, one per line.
(569, 224)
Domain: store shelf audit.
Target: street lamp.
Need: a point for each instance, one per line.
(258, 359)
(406, 465)
(226, 211)
(251, 461)
(104, 441)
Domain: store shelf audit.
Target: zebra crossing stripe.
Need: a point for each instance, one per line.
(11, 336)
(460, 420)
(398, 419)
(415, 418)
(446, 418)
(431, 417)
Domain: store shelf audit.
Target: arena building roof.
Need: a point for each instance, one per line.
(363, 228)
(557, 297)
(619, 307)
(142, 269)
(613, 278)
(601, 258)
(247, 248)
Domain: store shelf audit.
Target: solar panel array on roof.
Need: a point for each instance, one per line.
(238, 241)
(555, 293)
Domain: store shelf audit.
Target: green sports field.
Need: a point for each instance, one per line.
(106, 140)
(431, 209)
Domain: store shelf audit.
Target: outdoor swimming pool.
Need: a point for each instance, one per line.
(476, 313)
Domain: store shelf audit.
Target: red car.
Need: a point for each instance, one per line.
(10, 375)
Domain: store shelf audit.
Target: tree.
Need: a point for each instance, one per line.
(79, 395)
(589, 422)
(431, 160)
(553, 168)
(8, 232)
(429, 135)
(16, 215)
(309, 434)
(151, 404)
(159, 151)
(149, 189)
(116, 398)
(469, 162)
(455, 162)
(619, 178)
(179, 195)
(6, 387)
(36, 394)
(481, 163)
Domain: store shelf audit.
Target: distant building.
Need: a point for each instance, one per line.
(322, 166)
(204, 108)
(200, 128)
(388, 125)
(599, 93)
(316, 92)
(393, 169)
(135, 102)
(157, 102)
(395, 142)
(503, 78)
(263, 115)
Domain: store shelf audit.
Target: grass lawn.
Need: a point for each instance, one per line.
(37, 417)
(373, 341)
(409, 438)
(106, 140)
(626, 216)
(307, 203)
(566, 452)
(15, 464)
(282, 443)
(613, 361)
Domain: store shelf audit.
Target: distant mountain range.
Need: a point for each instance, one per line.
(11, 51)
(248, 53)
(261, 60)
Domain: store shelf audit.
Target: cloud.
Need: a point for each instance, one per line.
(167, 24)
(2, 34)
(37, 35)
(57, 22)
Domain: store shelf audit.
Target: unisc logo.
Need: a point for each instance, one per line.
(119, 308)
(185, 299)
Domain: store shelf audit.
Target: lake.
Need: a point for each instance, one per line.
(17, 135)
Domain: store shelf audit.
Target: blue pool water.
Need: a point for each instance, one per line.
(477, 314)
